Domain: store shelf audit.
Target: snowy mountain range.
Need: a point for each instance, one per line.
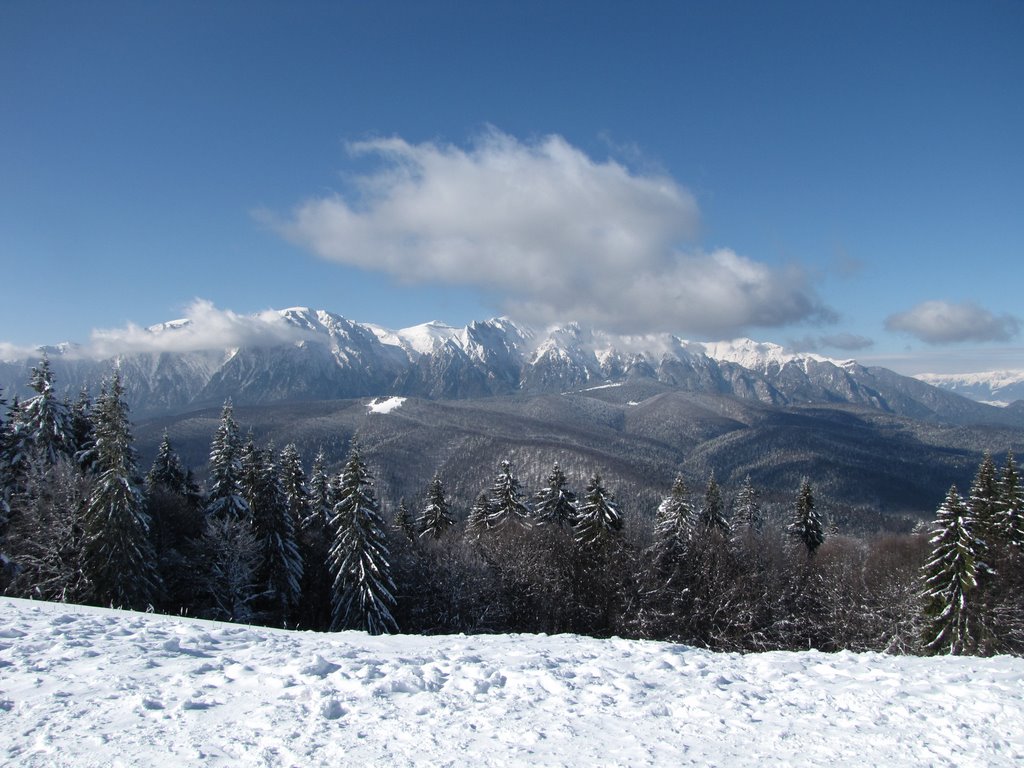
(301, 354)
(992, 387)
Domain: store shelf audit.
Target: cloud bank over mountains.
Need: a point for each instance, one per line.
(552, 234)
(942, 322)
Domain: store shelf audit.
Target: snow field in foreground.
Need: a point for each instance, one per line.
(86, 686)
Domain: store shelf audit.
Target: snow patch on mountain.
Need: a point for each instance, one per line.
(385, 405)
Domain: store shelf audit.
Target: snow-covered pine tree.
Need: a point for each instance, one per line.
(435, 518)
(280, 572)
(506, 501)
(712, 514)
(167, 472)
(806, 526)
(747, 509)
(985, 502)
(479, 515)
(83, 436)
(555, 504)
(363, 590)
(598, 518)
(47, 420)
(118, 556)
(294, 485)
(225, 497)
(953, 621)
(403, 523)
(320, 506)
(673, 523)
(1011, 505)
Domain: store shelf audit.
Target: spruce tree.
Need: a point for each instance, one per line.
(404, 524)
(314, 543)
(320, 504)
(985, 502)
(167, 471)
(747, 510)
(806, 526)
(435, 518)
(225, 496)
(479, 515)
(46, 420)
(280, 572)
(1011, 505)
(506, 501)
(118, 557)
(363, 590)
(712, 514)
(598, 519)
(555, 504)
(672, 523)
(953, 620)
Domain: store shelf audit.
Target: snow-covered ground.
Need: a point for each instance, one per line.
(90, 687)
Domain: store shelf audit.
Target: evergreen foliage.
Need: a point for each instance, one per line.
(598, 519)
(225, 497)
(506, 501)
(747, 510)
(404, 524)
(673, 523)
(985, 502)
(712, 514)
(479, 516)
(953, 620)
(118, 556)
(555, 504)
(806, 526)
(45, 421)
(1011, 505)
(363, 590)
(435, 518)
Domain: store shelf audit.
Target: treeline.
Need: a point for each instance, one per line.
(268, 542)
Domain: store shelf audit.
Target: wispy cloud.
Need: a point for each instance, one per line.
(848, 342)
(551, 232)
(942, 322)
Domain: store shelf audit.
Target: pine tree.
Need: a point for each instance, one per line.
(404, 524)
(985, 502)
(806, 526)
(320, 503)
(225, 497)
(363, 590)
(953, 620)
(294, 486)
(46, 420)
(506, 501)
(1011, 505)
(672, 523)
(280, 571)
(598, 519)
(167, 471)
(118, 557)
(435, 519)
(555, 504)
(747, 508)
(479, 515)
(83, 436)
(712, 514)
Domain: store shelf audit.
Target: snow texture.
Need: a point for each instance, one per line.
(88, 686)
(385, 405)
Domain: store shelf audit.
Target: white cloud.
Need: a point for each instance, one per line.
(204, 327)
(554, 234)
(942, 322)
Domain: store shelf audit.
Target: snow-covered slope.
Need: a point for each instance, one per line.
(995, 387)
(86, 686)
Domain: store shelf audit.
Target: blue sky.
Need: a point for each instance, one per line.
(842, 177)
